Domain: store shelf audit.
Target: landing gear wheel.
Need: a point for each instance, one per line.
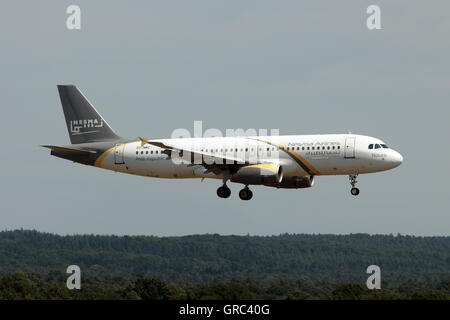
(245, 194)
(223, 191)
(354, 191)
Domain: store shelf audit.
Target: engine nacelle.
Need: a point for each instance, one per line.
(295, 182)
(266, 174)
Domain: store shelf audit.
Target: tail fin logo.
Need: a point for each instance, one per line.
(82, 126)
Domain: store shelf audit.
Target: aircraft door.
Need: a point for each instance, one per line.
(349, 152)
(118, 154)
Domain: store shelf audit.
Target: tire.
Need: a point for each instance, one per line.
(245, 194)
(223, 192)
(354, 191)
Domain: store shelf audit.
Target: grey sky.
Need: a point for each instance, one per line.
(150, 67)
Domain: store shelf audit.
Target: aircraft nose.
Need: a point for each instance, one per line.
(397, 159)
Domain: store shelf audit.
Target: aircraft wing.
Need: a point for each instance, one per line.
(216, 162)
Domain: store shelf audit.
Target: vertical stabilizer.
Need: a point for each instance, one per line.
(84, 123)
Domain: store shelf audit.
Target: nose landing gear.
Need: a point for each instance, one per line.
(354, 191)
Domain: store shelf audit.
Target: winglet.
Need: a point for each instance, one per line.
(154, 143)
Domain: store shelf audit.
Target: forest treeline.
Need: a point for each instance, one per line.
(215, 258)
(22, 286)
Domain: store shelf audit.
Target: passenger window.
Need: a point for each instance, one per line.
(156, 151)
(151, 152)
(312, 148)
(377, 146)
(303, 148)
(137, 152)
(371, 146)
(142, 152)
(146, 152)
(307, 148)
(339, 147)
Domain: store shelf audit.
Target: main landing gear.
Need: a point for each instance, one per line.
(354, 191)
(225, 192)
(245, 194)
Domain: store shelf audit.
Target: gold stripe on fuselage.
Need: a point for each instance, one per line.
(308, 167)
(98, 162)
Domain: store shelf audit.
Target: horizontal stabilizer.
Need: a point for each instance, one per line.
(69, 150)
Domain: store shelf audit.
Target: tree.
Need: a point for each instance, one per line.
(18, 286)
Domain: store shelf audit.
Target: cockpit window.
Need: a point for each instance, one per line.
(377, 146)
(385, 146)
(371, 146)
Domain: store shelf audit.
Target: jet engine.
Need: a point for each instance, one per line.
(295, 182)
(266, 174)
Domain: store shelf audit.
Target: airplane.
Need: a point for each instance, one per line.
(284, 161)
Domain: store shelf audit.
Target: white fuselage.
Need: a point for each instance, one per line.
(299, 155)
